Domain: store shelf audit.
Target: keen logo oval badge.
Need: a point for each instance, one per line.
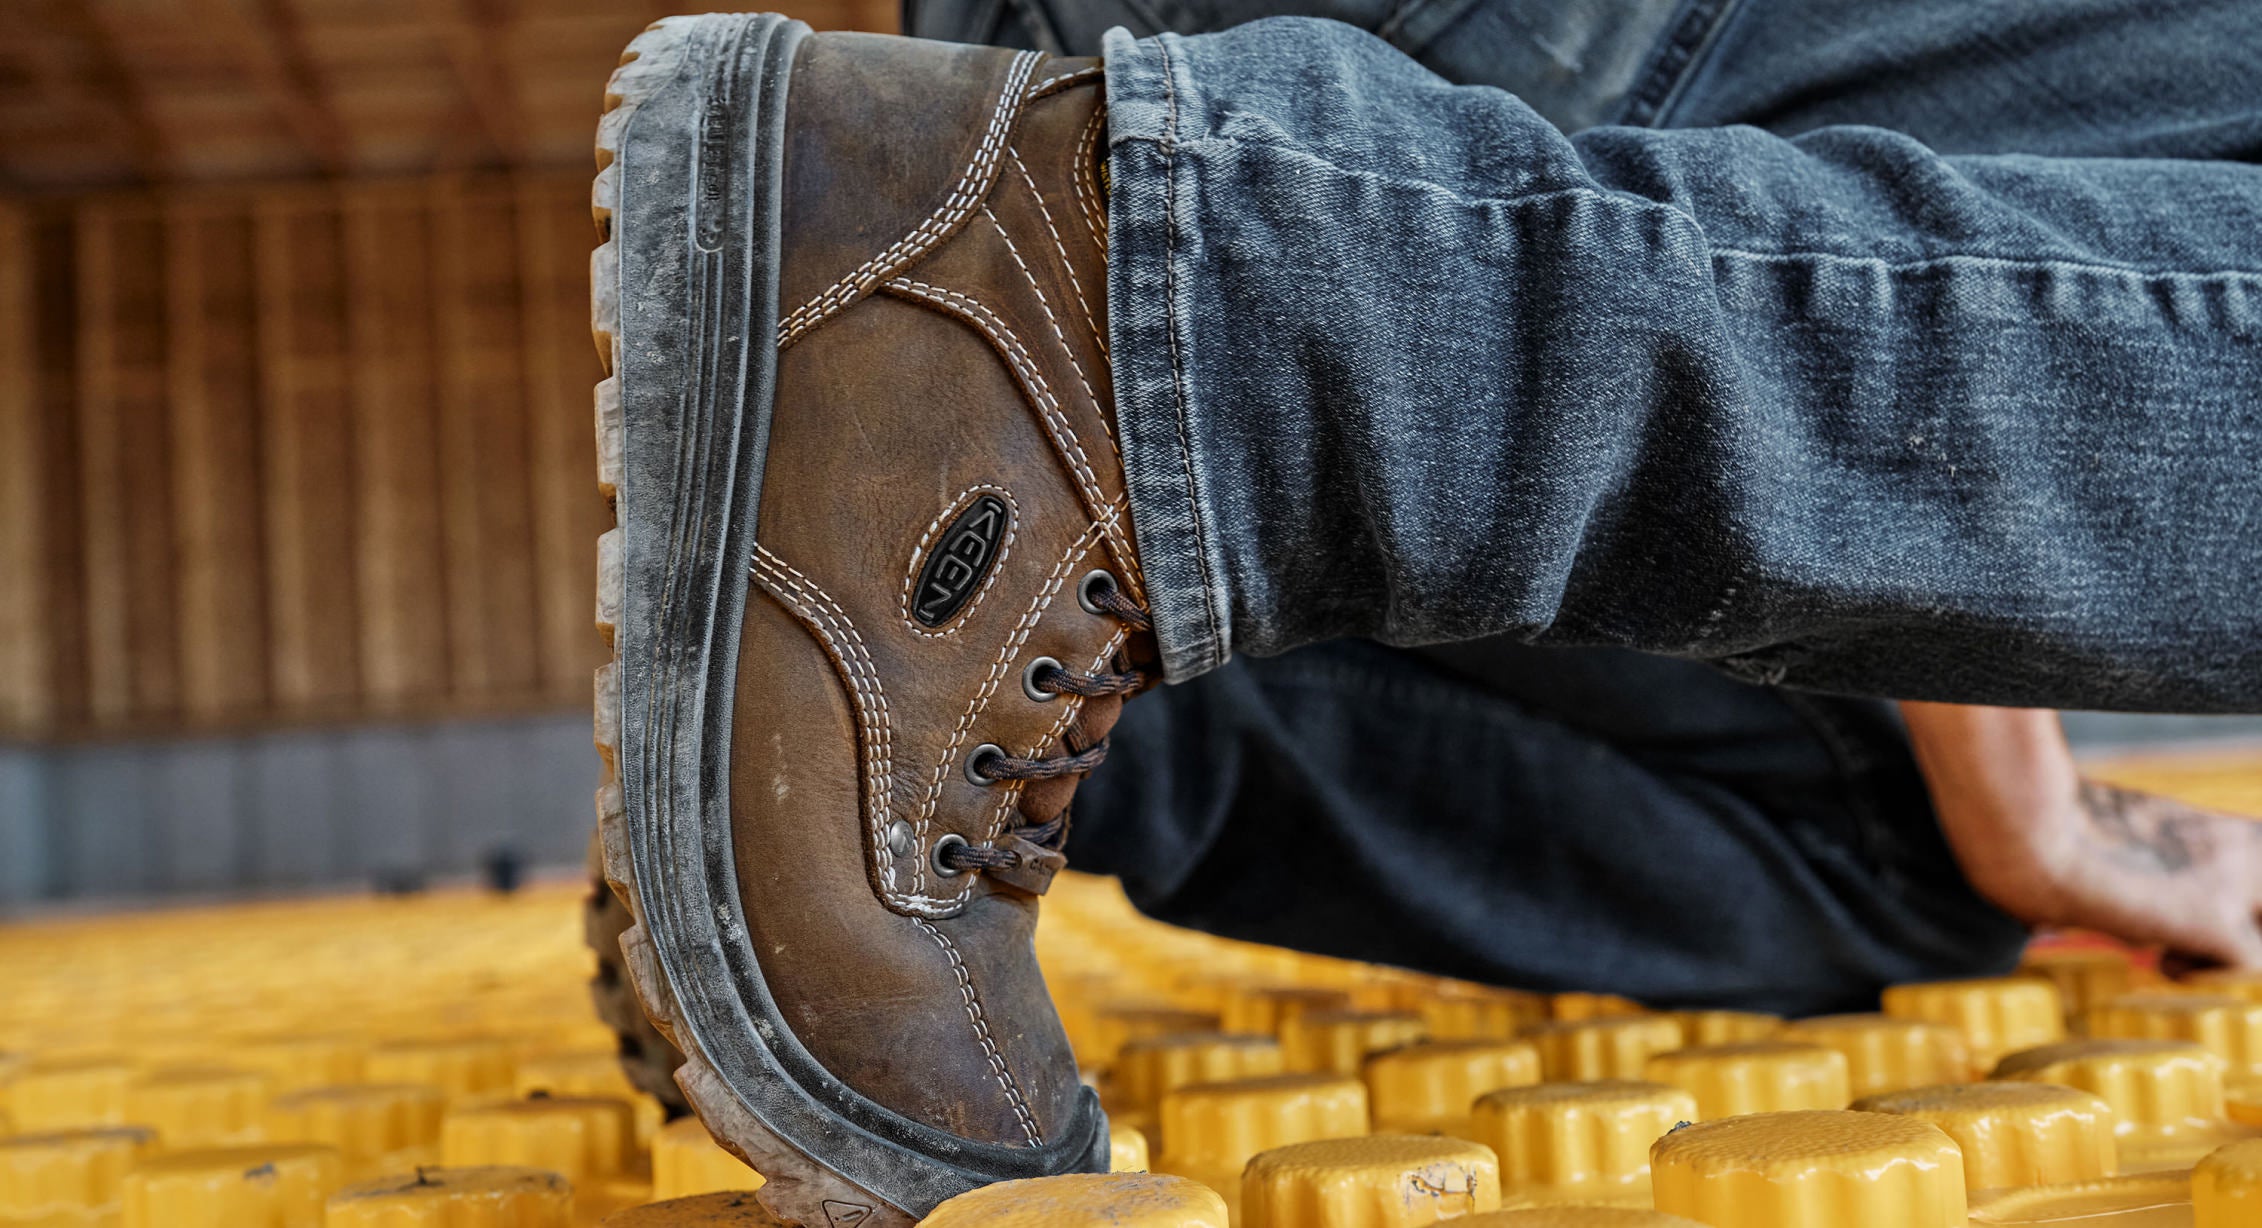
(959, 561)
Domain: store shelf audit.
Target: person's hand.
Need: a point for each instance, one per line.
(2051, 848)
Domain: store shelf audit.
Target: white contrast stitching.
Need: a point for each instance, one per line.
(973, 184)
(1132, 581)
(1033, 382)
(974, 1014)
(1091, 322)
(926, 539)
(1063, 80)
(1046, 306)
(801, 595)
(1087, 188)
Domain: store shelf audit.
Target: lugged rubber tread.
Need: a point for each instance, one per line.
(608, 442)
(646, 1057)
(609, 584)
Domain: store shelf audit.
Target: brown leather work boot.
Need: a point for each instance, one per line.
(873, 593)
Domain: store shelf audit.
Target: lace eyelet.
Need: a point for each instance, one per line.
(1094, 580)
(986, 750)
(947, 842)
(1029, 680)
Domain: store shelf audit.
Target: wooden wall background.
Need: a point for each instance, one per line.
(294, 357)
(298, 453)
(298, 509)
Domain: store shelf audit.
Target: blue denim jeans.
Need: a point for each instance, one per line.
(1908, 349)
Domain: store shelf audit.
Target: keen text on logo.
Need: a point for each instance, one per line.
(959, 560)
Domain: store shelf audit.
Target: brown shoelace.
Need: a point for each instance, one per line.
(994, 766)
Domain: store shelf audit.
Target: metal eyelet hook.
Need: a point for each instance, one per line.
(942, 867)
(974, 757)
(1029, 680)
(1094, 580)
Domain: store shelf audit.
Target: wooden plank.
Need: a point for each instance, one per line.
(555, 236)
(486, 506)
(54, 252)
(214, 393)
(145, 468)
(25, 706)
(109, 689)
(132, 650)
(308, 456)
(404, 645)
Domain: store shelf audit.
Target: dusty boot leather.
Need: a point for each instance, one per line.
(873, 593)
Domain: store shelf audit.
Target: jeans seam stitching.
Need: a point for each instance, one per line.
(1907, 266)
(1645, 205)
(1171, 324)
(1638, 203)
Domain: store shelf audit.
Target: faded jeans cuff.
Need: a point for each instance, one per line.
(1150, 247)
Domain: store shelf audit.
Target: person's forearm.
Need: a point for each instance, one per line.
(2003, 784)
(2051, 848)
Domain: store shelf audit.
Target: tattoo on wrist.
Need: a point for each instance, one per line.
(2145, 832)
